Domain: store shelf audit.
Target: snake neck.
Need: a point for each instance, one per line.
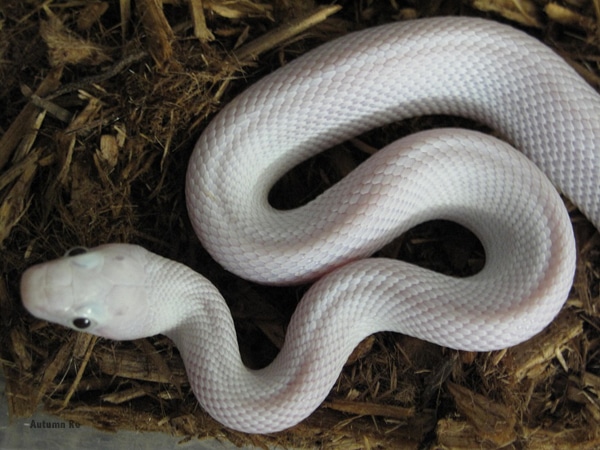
(193, 314)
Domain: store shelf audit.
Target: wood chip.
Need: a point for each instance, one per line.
(493, 421)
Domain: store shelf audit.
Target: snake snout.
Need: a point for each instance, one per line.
(47, 290)
(33, 291)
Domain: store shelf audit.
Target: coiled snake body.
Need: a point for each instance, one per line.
(460, 66)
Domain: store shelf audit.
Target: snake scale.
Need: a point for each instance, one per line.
(466, 67)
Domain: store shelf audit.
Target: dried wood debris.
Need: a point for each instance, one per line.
(102, 102)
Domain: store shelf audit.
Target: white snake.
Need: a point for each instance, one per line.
(461, 66)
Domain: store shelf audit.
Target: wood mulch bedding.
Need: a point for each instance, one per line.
(101, 104)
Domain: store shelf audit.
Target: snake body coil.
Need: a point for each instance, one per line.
(460, 66)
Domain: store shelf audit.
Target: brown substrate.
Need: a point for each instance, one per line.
(102, 102)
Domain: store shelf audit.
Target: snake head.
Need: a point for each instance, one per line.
(99, 291)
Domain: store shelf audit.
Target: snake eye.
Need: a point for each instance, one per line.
(76, 251)
(82, 323)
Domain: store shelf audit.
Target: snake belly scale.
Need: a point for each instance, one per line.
(469, 67)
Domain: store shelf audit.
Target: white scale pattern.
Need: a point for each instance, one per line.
(462, 66)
